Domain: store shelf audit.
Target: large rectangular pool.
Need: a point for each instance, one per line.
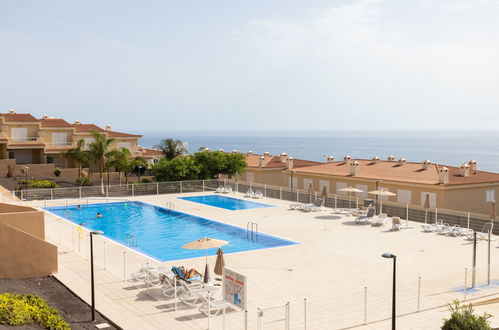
(161, 233)
(226, 202)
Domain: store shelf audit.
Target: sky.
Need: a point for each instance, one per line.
(253, 65)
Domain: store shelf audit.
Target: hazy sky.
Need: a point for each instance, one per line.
(250, 65)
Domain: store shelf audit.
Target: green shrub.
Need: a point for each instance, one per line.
(36, 183)
(83, 181)
(21, 309)
(462, 318)
(57, 172)
(146, 180)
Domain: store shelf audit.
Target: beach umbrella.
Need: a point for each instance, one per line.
(492, 210)
(381, 192)
(220, 263)
(350, 190)
(426, 206)
(205, 244)
(310, 191)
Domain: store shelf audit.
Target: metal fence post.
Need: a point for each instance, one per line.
(465, 282)
(287, 315)
(203, 185)
(157, 188)
(468, 220)
(473, 274)
(180, 186)
(305, 313)
(419, 292)
(365, 304)
(280, 193)
(133, 192)
(265, 190)
(259, 318)
(107, 191)
(21, 195)
(79, 190)
(51, 193)
(124, 265)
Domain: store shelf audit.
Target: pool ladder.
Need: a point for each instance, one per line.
(131, 241)
(252, 231)
(170, 206)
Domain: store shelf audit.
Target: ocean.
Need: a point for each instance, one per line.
(442, 147)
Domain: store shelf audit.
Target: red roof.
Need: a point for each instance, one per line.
(54, 122)
(253, 160)
(18, 117)
(151, 152)
(87, 128)
(120, 134)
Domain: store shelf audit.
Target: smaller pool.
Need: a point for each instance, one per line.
(226, 202)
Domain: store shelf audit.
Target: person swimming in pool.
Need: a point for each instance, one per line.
(79, 207)
(99, 215)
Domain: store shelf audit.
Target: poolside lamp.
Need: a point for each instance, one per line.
(394, 257)
(92, 286)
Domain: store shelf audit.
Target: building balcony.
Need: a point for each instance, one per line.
(25, 142)
(60, 145)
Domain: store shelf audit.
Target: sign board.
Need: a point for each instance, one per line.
(234, 288)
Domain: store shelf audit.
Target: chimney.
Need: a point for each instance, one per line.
(220, 150)
(108, 127)
(206, 149)
(426, 164)
(266, 153)
(402, 161)
(77, 122)
(45, 116)
(250, 152)
(284, 157)
(11, 111)
(347, 159)
(390, 158)
(465, 169)
(289, 164)
(234, 151)
(330, 159)
(443, 175)
(376, 160)
(472, 164)
(354, 168)
(261, 163)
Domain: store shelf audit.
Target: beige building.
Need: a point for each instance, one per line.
(463, 188)
(30, 140)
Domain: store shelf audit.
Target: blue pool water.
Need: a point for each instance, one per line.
(160, 232)
(226, 202)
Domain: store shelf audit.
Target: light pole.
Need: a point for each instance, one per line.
(394, 257)
(92, 286)
(140, 168)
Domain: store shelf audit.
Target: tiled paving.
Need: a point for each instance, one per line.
(332, 267)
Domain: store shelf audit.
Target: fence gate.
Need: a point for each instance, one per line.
(276, 317)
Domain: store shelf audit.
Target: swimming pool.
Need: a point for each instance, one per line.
(226, 202)
(160, 233)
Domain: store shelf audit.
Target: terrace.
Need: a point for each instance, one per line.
(338, 269)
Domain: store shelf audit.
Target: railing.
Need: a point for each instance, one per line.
(27, 139)
(60, 145)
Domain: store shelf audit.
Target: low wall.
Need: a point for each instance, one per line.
(23, 250)
(35, 170)
(4, 164)
(24, 255)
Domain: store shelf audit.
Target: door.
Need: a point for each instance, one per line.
(23, 156)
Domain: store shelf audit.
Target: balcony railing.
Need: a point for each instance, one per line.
(25, 140)
(60, 145)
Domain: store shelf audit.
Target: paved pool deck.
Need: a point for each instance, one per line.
(336, 264)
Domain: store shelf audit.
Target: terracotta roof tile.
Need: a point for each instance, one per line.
(54, 122)
(409, 172)
(151, 152)
(87, 128)
(275, 162)
(18, 117)
(120, 134)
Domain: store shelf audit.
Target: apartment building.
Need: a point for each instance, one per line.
(31, 140)
(463, 188)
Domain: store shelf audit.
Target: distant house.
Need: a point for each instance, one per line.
(30, 140)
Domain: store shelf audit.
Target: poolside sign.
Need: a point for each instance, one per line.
(234, 288)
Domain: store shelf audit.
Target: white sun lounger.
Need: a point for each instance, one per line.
(368, 217)
(379, 220)
(192, 297)
(318, 205)
(258, 194)
(214, 307)
(249, 193)
(396, 224)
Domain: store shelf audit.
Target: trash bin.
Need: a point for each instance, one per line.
(368, 202)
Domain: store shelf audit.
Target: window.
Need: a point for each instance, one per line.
(490, 195)
(306, 183)
(20, 134)
(250, 177)
(340, 185)
(322, 184)
(294, 183)
(404, 196)
(125, 145)
(433, 199)
(50, 159)
(362, 187)
(59, 139)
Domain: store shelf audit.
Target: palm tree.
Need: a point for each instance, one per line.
(99, 151)
(171, 148)
(120, 159)
(79, 155)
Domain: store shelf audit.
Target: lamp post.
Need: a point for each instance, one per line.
(140, 168)
(394, 257)
(26, 169)
(92, 286)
